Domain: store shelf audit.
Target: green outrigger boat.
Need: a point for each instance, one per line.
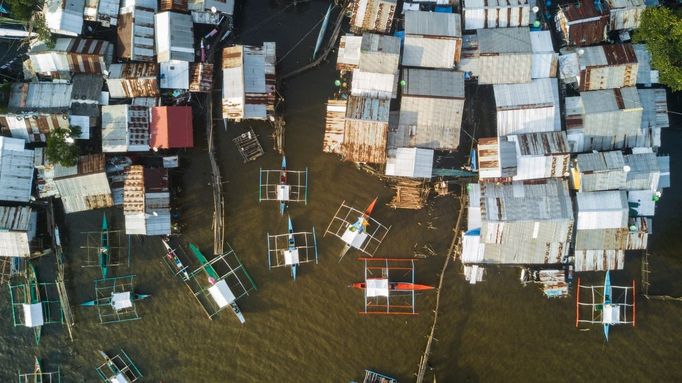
(104, 248)
(33, 296)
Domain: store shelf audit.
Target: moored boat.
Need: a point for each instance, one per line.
(397, 286)
(358, 227)
(292, 247)
(282, 182)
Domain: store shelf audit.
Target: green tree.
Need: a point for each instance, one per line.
(39, 27)
(60, 147)
(661, 31)
(21, 9)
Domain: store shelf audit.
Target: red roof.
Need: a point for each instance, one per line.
(171, 127)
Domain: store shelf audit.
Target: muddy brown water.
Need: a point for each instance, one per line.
(309, 330)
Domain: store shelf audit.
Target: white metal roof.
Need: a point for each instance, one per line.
(16, 170)
(378, 85)
(601, 210)
(645, 74)
(504, 40)
(64, 16)
(433, 24)
(349, 50)
(535, 94)
(174, 74)
(433, 83)
(84, 192)
(410, 162)
(429, 52)
(173, 33)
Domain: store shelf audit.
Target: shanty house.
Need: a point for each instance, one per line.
(372, 16)
(654, 116)
(376, 74)
(71, 55)
(365, 130)
(523, 223)
(582, 23)
(133, 80)
(348, 57)
(606, 67)
(103, 11)
(135, 31)
(16, 170)
(174, 37)
(249, 82)
(84, 186)
(17, 230)
(545, 60)
(598, 171)
(479, 14)
(602, 229)
(125, 128)
(504, 56)
(173, 5)
(430, 110)
(604, 119)
(625, 15)
(146, 201)
(527, 108)
(64, 17)
(646, 75)
(432, 39)
(335, 125)
(32, 127)
(523, 157)
(410, 162)
(171, 127)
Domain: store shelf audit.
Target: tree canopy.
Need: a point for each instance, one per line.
(60, 147)
(661, 31)
(21, 9)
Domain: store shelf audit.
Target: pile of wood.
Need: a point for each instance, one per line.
(409, 194)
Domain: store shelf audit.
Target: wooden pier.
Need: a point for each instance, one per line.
(216, 183)
(278, 134)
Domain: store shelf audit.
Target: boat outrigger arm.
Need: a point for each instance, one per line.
(215, 281)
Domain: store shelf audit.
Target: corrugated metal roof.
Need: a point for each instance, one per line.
(535, 94)
(433, 24)
(249, 81)
(527, 108)
(609, 100)
(600, 161)
(222, 6)
(178, 134)
(174, 37)
(367, 109)
(613, 54)
(410, 162)
(430, 52)
(365, 141)
(496, 158)
(378, 85)
(480, 14)
(541, 200)
(644, 172)
(372, 15)
(599, 260)
(545, 60)
(349, 52)
(16, 170)
(64, 16)
(655, 108)
(174, 74)
(664, 167)
(125, 128)
(429, 122)
(201, 77)
(433, 83)
(379, 54)
(541, 144)
(601, 210)
(173, 5)
(135, 31)
(607, 66)
(32, 127)
(625, 14)
(504, 40)
(42, 96)
(73, 55)
(642, 202)
(15, 218)
(581, 23)
(645, 74)
(18, 222)
(84, 192)
(133, 80)
(335, 122)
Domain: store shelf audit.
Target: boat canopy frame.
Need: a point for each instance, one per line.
(346, 216)
(229, 268)
(375, 377)
(269, 184)
(43, 377)
(104, 290)
(119, 249)
(52, 310)
(306, 244)
(590, 310)
(392, 270)
(116, 365)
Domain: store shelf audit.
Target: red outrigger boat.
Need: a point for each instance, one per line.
(397, 286)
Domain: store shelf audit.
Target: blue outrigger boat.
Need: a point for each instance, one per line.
(605, 308)
(283, 182)
(607, 302)
(292, 248)
(104, 248)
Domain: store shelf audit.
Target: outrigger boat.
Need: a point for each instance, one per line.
(607, 302)
(112, 301)
(282, 183)
(33, 298)
(357, 228)
(292, 248)
(173, 257)
(397, 286)
(213, 279)
(104, 248)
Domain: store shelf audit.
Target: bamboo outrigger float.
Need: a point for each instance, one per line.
(34, 303)
(115, 299)
(40, 376)
(216, 284)
(291, 186)
(385, 292)
(292, 249)
(104, 249)
(363, 233)
(118, 369)
(608, 305)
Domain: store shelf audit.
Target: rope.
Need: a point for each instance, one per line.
(301, 40)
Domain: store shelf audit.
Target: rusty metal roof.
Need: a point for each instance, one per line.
(133, 80)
